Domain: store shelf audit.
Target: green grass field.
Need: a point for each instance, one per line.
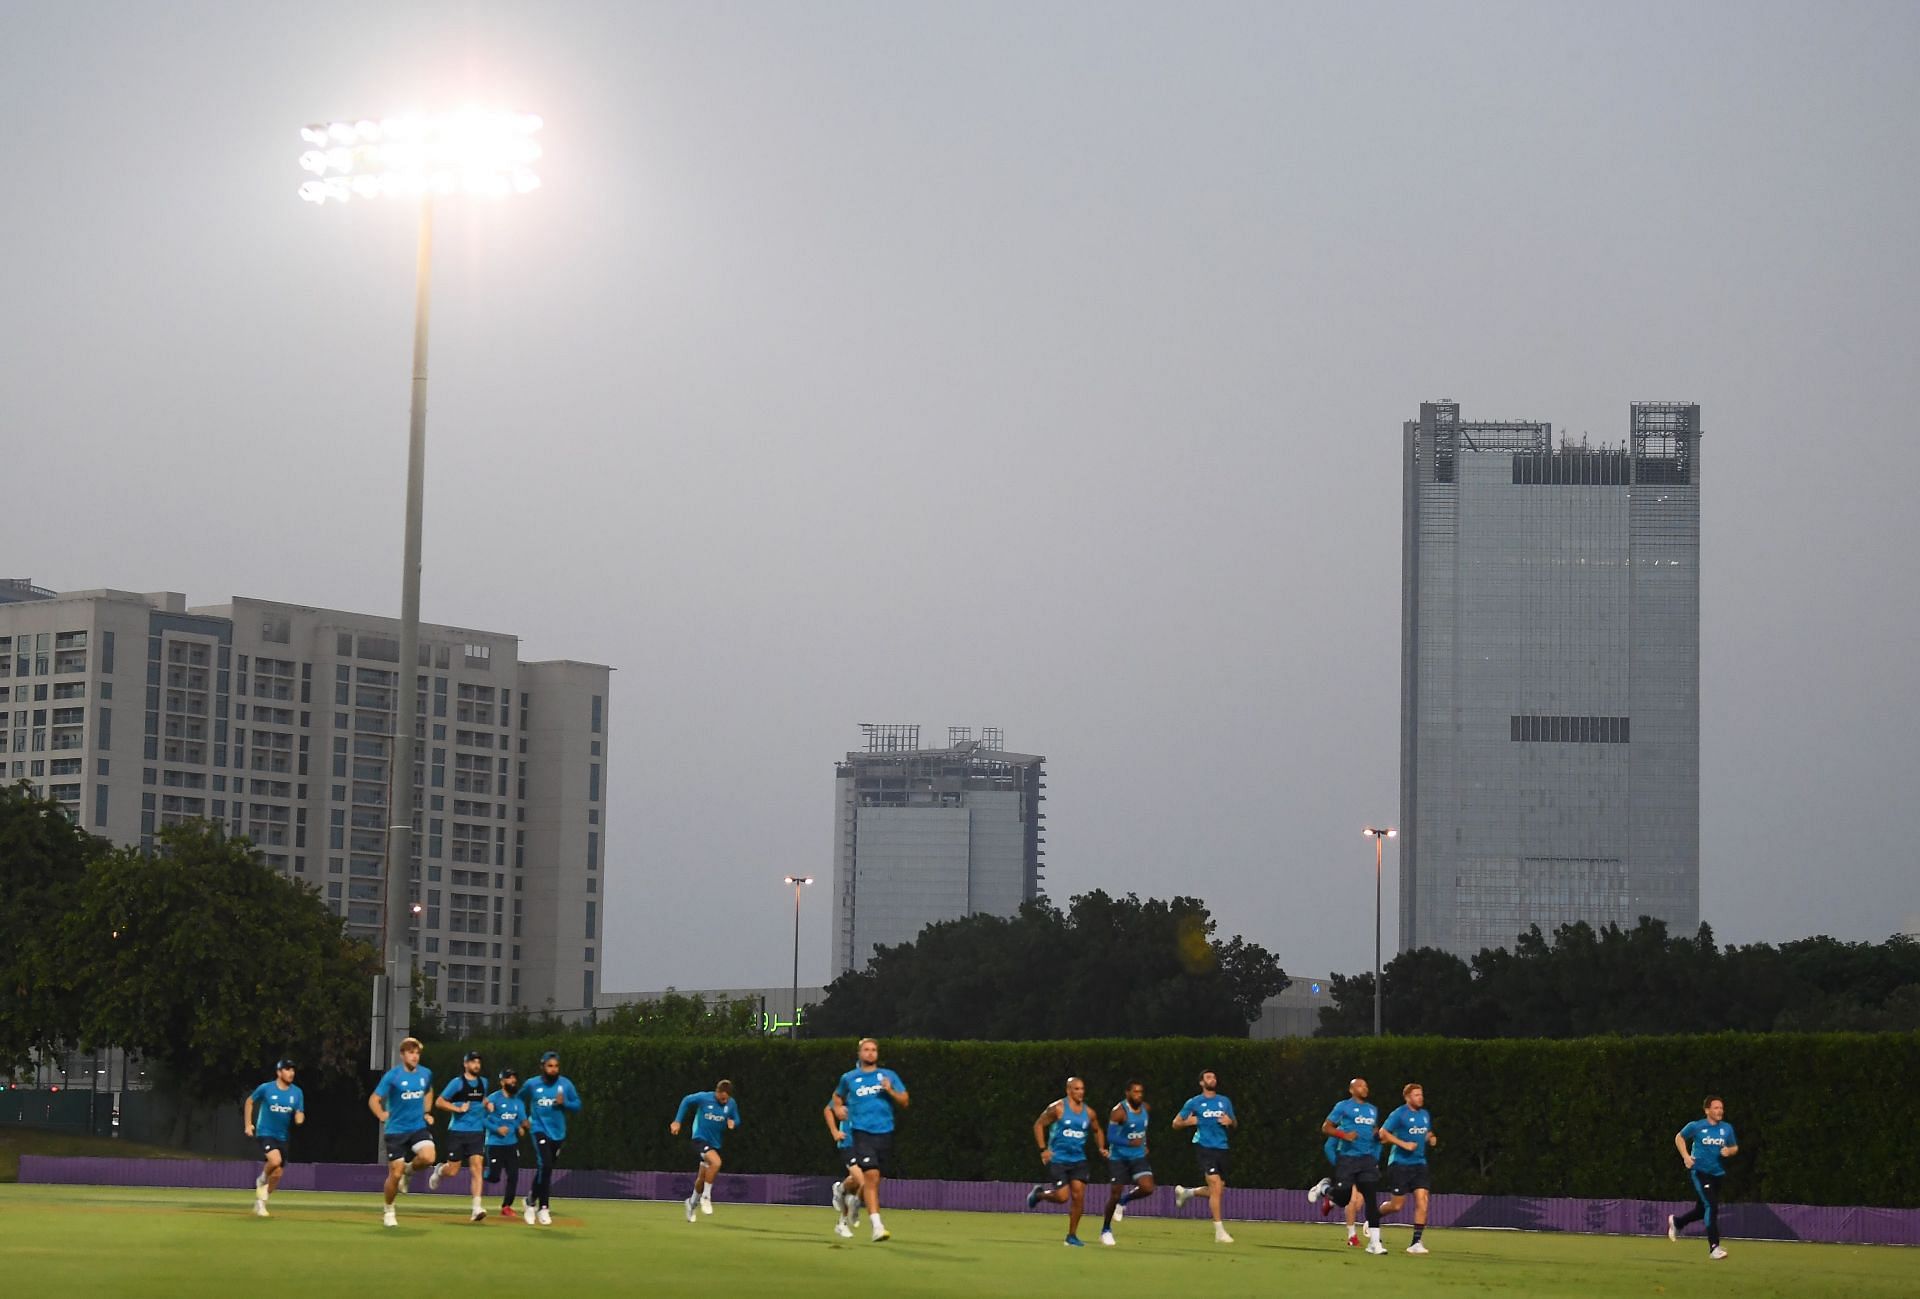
(89, 1240)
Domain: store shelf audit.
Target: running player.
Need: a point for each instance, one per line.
(846, 1194)
(280, 1104)
(1061, 1132)
(400, 1103)
(1128, 1170)
(1702, 1144)
(1356, 1124)
(715, 1113)
(465, 1097)
(871, 1096)
(1409, 1130)
(1210, 1115)
(550, 1098)
(506, 1124)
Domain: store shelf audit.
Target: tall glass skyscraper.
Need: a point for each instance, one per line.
(1550, 677)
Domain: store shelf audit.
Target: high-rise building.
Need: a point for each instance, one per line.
(275, 721)
(923, 835)
(1550, 677)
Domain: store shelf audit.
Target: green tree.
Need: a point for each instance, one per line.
(210, 963)
(43, 857)
(1104, 967)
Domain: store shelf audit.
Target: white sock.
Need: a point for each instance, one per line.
(1373, 1235)
(878, 1227)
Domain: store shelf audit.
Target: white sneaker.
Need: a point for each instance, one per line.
(691, 1204)
(1318, 1189)
(1119, 1212)
(1673, 1232)
(1106, 1238)
(1416, 1248)
(260, 1182)
(260, 1209)
(531, 1214)
(546, 1219)
(405, 1178)
(1220, 1236)
(842, 1230)
(706, 1205)
(1181, 1194)
(387, 1218)
(479, 1212)
(838, 1200)
(433, 1179)
(1717, 1252)
(1375, 1247)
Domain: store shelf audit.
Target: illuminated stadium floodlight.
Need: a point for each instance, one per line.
(485, 153)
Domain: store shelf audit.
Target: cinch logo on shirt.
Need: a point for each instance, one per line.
(872, 1089)
(1074, 1134)
(1713, 1141)
(1363, 1120)
(1213, 1114)
(406, 1095)
(281, 1109)
(548, 1101)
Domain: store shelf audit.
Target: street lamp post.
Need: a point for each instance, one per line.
(1377, 834)
(473, 152)
(799, 882)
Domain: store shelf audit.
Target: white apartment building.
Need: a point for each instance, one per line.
(276, 721)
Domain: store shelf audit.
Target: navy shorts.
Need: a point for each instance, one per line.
(1060, 1174)
(700, 1149)
(1402, 1178)
(1129, 1170)
(845, 1157)
(270, 1144)
(870, 1150)
(400, 1144)
(462, 1146)
(1357, 1170)
(1213, 1163)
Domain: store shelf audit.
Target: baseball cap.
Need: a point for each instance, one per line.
(551, 1055)
(509, 1072)
(471, 1055)
(286, 1062)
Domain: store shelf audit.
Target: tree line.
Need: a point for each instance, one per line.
(1584, 982)
(198, 957)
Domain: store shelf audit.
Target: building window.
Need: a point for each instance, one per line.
(593, 782)
(599, 705)
(593, 915)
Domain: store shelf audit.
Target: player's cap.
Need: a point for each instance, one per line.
(286, 1062)
(471, 1055)
(509, 1072)
(551, 1055)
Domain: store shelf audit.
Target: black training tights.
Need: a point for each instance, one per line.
(1706, 1190)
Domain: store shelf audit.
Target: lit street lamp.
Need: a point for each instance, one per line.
(799, 882)
(419, 157)
(1376, 834)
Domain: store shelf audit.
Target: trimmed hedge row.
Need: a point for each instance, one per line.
(1592, 1117)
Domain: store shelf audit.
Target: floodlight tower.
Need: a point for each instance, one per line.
(477, 152)
(1377, 834)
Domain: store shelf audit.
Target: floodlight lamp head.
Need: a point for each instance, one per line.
(481, 152)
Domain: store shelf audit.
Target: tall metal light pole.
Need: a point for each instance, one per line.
(1377, 834)
(799, 882)
(474, 152)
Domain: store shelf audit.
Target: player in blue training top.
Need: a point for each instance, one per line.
(280, 1105)
(399, 1101)
(846, 1194)
(1702, 1144)
(1211, 1117)
(1355, 1123)
(506, 1124)
(1409, 1130)
(550, 1098)
(871, 1094)
(464, 1097)
(1127, 1167)
(715, 1114)
(1062, 1131)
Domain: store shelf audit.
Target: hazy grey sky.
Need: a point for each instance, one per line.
(1029, 365)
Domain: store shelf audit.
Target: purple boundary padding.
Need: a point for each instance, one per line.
(1831, 1224)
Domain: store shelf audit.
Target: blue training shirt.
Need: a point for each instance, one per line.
(1708, 1140)
(710, 1116)
(405, 1092)
(548, 1104)
(1068, 1139)
(473, 1093)
(1361, 1119)
(1413, 1125)
(1128, 1138)
(508, 1112)
(273, 1109)
(1209, 1110)
(868, 1108)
